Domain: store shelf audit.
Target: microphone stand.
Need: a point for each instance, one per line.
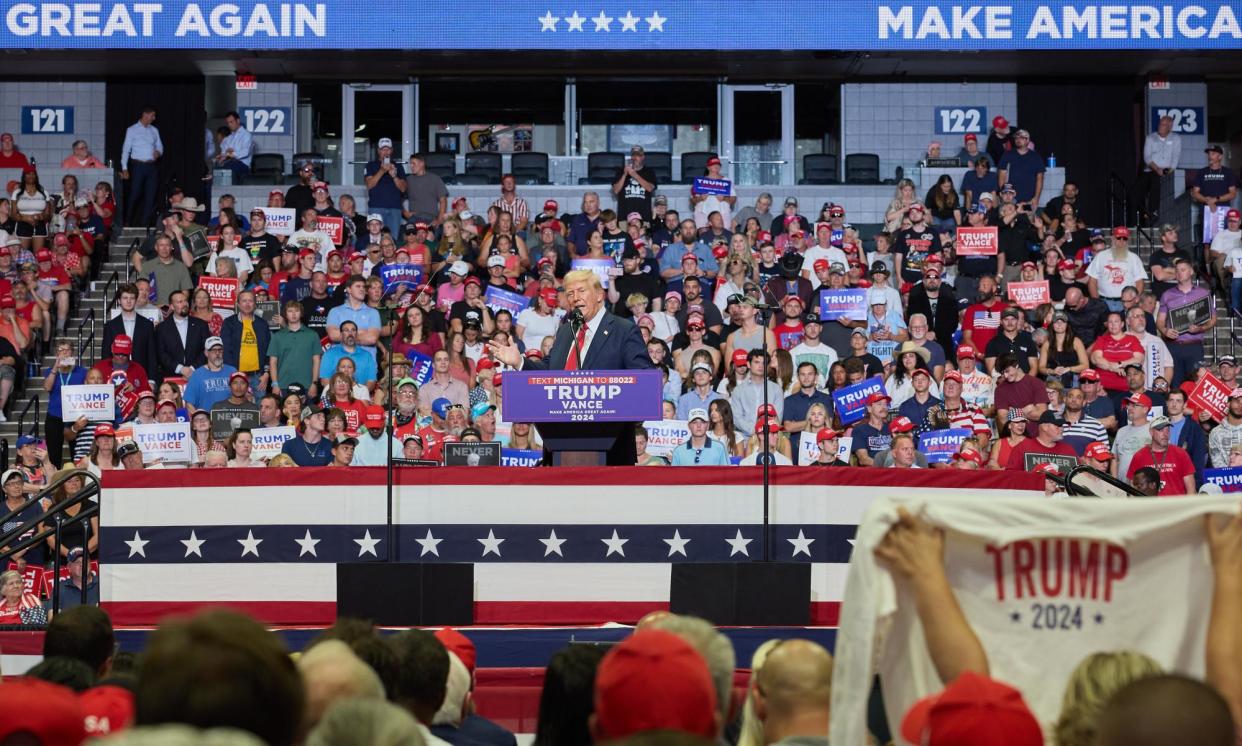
(761, 314)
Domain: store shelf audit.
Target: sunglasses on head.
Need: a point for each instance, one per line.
(451, 407)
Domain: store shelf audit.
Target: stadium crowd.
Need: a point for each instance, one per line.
(1063, 342)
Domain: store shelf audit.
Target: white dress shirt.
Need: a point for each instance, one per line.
(592, 326)
(1165, 152)
(241, 143)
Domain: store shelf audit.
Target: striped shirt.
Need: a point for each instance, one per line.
(517, 208)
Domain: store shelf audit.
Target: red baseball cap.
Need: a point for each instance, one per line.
(1098, 451)
(969, 454)
(1090, 374)
(1121, 232)
(1048, 468)
(654, 680)
(44, 255)
(688, 256)
(7, 301)
(1066, 264)
(772, 425)
(483, 363)
(931, 271)
(916, 207)
(107, 709)
(767, 410)
(60, 240)
(740, 357)
(970, 137)
(1140, 399)
(923, 372)
(307, 252)
(472, 280)
(713, 161)
(319, 185)
(1000, 123)
(1032, 265)
(497, 379)
(953, 375)
(549, 296)
(900, 425)
(274, 191)
(965, 351)
(121, 343)
(826, 434)
(374, 417)
(458, 643)
(878, 396)
(721, 251)
(551, 204)
(50, 713)
(972, 711)
(168, 402)
(535, 354)
(763, 237)
(820, 265)
(1233, 215)
(105, 429)
(1235, 393)
(238, 374)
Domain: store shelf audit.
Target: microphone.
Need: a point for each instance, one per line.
(576, 320)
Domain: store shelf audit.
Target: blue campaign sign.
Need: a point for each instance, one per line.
(401, 277)
(420, 367)
(850, 402)
(1187, 120)
(497, 298)
(704, 185)
(653, 25)
(266, 120)
(1229, 479)
(583, 396)
(846, 303)
(940, 445)
(519, 457)
(47, 120)
(960, 120)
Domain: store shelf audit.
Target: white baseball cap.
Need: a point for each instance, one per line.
(213, 342)
(495, 260)
(384, 142)
(698, 414)
(375, 216)
(461, 269)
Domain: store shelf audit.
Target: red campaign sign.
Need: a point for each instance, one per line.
(977, 241)
(32, 578)
(1211, 394)
(334, 227)
(64, 575)
(223, 290)
(1030, 294)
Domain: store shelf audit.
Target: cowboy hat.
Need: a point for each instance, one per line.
(190, 204)
(918, 349)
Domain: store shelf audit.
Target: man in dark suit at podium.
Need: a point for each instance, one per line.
(590, 338)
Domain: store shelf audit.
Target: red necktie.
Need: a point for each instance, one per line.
(575, 352)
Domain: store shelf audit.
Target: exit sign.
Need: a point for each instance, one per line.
(247, 83)
(1158, 83)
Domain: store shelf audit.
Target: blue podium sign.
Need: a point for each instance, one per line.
(582, 396)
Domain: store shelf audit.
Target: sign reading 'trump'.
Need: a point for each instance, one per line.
(583, 396)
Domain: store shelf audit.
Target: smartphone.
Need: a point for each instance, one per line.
(387, 161)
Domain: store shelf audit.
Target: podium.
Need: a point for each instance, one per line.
(582, 415)
(581, 443)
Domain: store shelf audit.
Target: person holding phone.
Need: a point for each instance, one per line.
(385, 186)
(64, 372)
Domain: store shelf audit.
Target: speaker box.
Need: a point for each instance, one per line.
(743, 594)
(396, 594)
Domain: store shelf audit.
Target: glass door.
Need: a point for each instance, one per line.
(757, 133)
(370, 113)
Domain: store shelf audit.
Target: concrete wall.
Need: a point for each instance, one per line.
(896, 121)
(274, 95)
(87, 100)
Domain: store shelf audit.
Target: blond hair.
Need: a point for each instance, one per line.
(751, 733)
(1093, 682)
(584, 276)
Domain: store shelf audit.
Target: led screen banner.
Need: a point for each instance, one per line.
(622, 25)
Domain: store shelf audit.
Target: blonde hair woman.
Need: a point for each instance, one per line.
(1094, 681)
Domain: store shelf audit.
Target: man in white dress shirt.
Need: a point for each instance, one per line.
(140, 156)
(237, 149)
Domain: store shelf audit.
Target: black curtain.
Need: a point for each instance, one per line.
(180, 117)
(1091, 128)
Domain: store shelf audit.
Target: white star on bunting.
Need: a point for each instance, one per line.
(250, 545)
(603, 22)
(801, 544)
(655, 22)
(308, 544)
(552, 544)
(137, 545)
(616, 545)
(366, 545)
(430, 545)
(575, 21)
(491, 545)
(548, 22)
(677, 545)
(629, 22)
(739, 544)
(194, 545)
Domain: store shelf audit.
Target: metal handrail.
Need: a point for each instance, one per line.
(134, 246)
(55, 513)
(1113, 181)
(88, 319)
(21, 418)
